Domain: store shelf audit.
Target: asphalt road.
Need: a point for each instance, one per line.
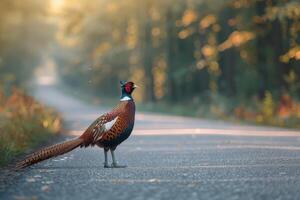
(168, 158)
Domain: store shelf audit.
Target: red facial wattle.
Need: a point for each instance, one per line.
(128, 88)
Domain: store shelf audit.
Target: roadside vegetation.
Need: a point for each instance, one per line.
(24, 124)
(282, 112)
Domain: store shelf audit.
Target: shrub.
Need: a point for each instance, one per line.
(24, 123)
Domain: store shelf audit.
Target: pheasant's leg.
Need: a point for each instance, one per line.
(115, 163)
(105, 157)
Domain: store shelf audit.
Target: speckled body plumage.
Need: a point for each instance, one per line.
(96, 134)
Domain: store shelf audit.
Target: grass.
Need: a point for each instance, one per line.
(24, 124)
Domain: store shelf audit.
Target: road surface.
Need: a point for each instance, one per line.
(168, 157)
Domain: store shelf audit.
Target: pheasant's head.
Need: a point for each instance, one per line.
(127, 89)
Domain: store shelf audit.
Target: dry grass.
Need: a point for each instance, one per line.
(24, 123)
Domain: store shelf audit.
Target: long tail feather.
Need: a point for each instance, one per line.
(49, 152)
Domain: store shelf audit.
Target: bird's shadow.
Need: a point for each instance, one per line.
(69, 167)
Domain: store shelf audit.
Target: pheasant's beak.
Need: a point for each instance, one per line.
(135, 86)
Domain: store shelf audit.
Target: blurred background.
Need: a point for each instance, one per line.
(225, 59)
(217, 58)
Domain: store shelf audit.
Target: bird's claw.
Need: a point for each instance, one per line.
(116, 165)
(106, 165)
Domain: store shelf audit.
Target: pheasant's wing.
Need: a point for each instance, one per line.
(101, 125)
(124, 122)
(113, 133)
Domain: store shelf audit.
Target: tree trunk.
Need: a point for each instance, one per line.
(148, 62)
(170, 55)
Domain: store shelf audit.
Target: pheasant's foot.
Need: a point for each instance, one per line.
(116, 165)
(106, 165)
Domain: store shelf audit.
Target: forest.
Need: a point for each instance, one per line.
(207, 58)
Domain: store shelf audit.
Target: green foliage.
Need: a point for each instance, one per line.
(268, 108)
(245, 77)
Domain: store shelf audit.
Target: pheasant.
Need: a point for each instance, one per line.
(107, 132)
